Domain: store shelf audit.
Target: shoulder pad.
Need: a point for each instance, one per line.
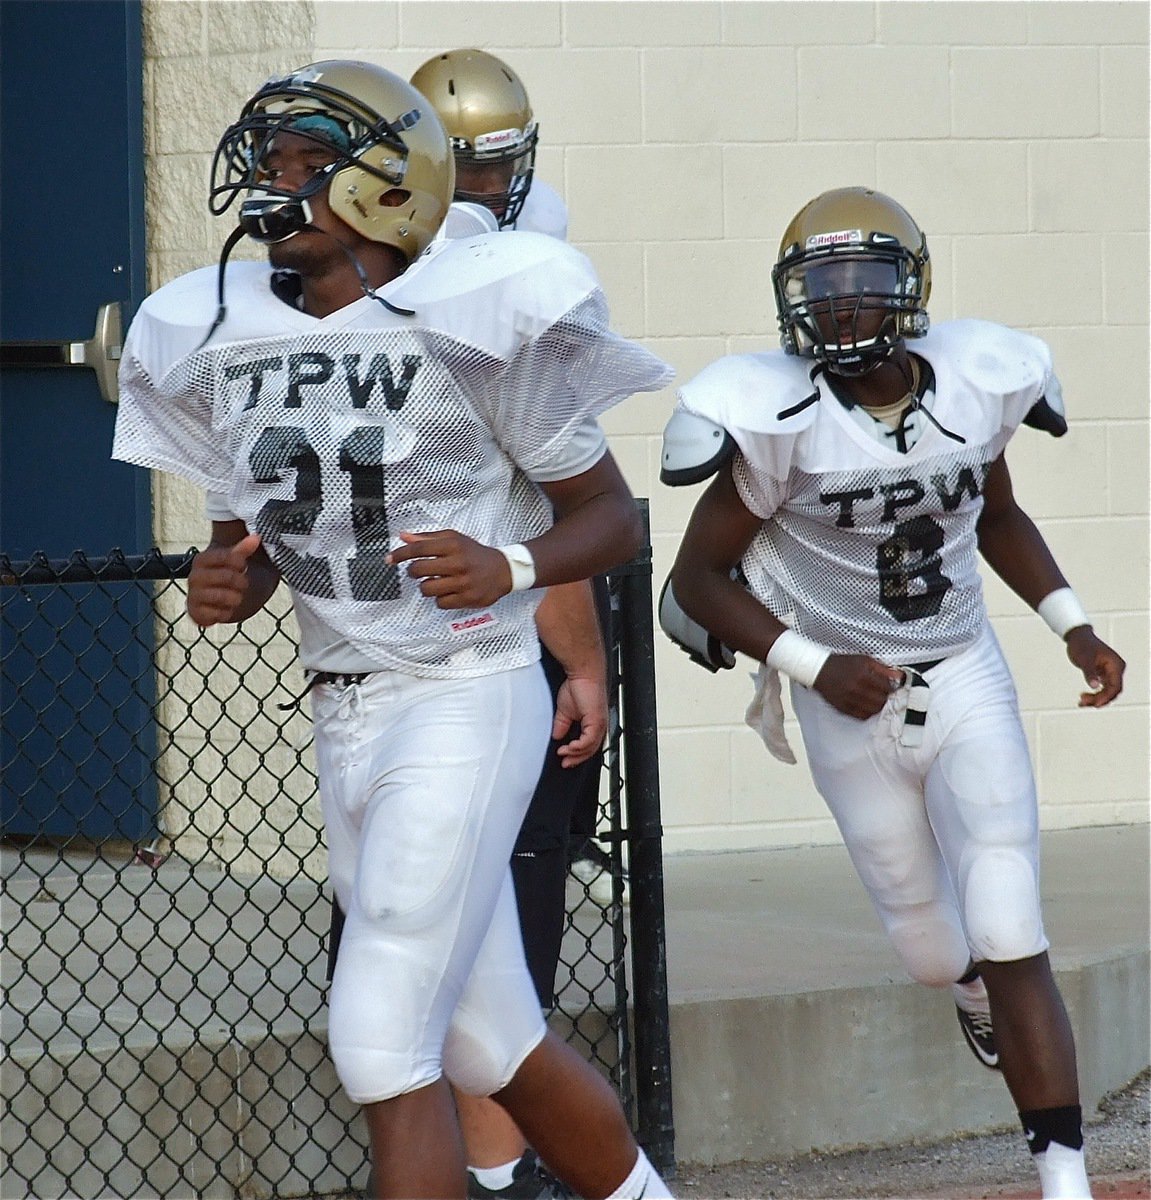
(770, 393)
(500, 289)
(172, 322)
(694, 448)
(188, 300)
(996, 361)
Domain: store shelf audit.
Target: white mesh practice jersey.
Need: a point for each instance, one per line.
(543, 212)
(865, 549)
(330, 436)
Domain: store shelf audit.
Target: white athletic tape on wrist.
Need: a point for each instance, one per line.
(1062, 612)
(521, 565)
(798, 657)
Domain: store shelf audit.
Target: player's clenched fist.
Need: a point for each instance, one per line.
(218, 586)
(454, 569)
(1101, 666)
(856, 684)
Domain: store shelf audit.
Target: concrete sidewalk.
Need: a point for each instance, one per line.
(795, 1028)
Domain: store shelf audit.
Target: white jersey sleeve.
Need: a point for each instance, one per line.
(543, 212)
(175, 435)
(1007, 370)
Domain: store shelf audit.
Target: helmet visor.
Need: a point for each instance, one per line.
(833, 278)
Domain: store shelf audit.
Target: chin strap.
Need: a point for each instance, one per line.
(221, 307)
(917, 405)
(363, 277)
(807, 401)
(239, 232)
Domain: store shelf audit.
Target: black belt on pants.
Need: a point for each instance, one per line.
(918, 695)
(340, 679)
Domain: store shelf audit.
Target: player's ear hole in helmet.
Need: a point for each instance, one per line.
(852, 280)
(485, 108)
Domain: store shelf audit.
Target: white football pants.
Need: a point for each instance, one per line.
(944, 835)
(424, 785)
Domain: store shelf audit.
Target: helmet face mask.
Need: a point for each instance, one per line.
(852, 281)
(382, 136)
(510, 174)
(488, 116)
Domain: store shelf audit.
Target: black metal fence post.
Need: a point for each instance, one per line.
(652, 1032)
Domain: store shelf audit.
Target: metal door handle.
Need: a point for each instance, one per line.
(101, 352)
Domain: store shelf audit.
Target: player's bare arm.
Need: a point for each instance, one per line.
(232, 579)
(720, 530)
(596, 528)
(569, 628)
(1016, 551)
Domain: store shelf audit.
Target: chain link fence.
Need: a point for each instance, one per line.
(166, 915)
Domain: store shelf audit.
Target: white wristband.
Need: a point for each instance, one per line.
(522, 565)
(798, 657)
(1062, 611)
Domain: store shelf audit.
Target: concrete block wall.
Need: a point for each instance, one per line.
(233, 795)
(684, 136)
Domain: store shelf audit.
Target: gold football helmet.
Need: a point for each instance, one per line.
(488, 116)
(388, 138)
(852, 280)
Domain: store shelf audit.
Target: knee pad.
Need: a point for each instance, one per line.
(1001, 906)
(479, 1062)
(932, 948)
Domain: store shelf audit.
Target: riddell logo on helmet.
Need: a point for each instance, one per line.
(498, 139)
(840, 238)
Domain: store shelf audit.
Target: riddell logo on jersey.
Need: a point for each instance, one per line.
(840, 238)
(467, 624)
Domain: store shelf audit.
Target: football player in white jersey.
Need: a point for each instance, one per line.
(486, 110)
(859, 471)
(409, 441)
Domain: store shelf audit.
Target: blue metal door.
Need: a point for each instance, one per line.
(77, 738)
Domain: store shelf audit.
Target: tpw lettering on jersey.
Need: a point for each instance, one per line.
(965, 485)
(846, 502)
(904, 494)
(907, 493)
(256, 370)
(380, 371)
(313, 368)
(308, 368)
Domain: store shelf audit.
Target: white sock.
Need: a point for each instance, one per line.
(644, 1183)
(495, 1178)
(972, 997)
(1062, 1173)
